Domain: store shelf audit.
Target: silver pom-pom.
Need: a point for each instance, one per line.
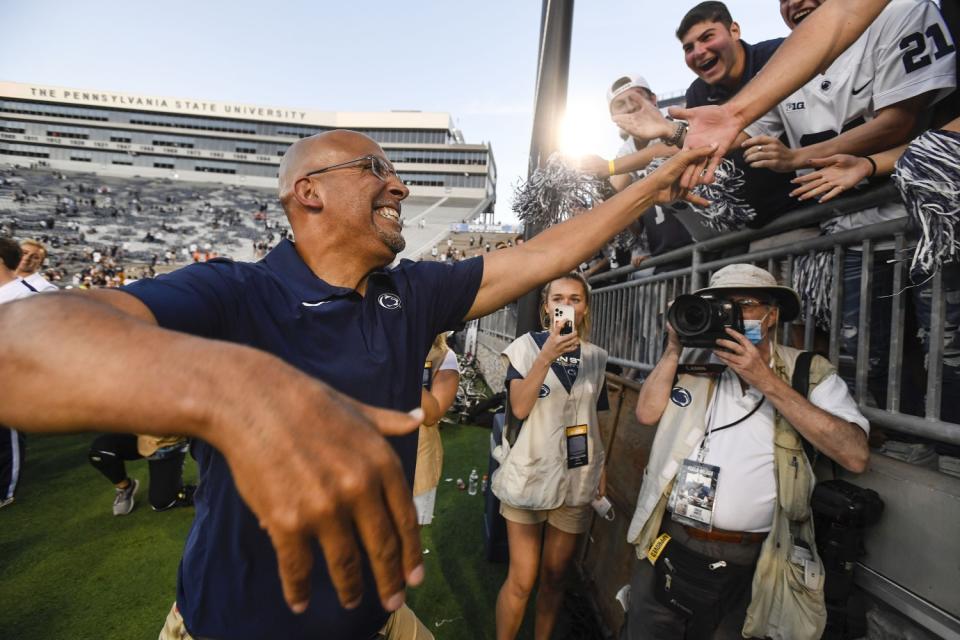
(813, 280)
(727, 211)
(556, 192)
(928, 177)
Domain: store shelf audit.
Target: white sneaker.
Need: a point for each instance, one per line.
(123, 502)
(6, 501)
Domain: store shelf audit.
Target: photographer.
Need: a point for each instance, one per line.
(554, 468)
(726, 493)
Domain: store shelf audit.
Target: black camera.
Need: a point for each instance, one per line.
(700, 321)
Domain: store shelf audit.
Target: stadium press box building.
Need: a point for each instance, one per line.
(124, 134)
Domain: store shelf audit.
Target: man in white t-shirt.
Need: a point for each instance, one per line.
(34, 255)
(734, 425)
(11, 441)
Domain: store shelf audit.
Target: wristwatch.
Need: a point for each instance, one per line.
(676, 140)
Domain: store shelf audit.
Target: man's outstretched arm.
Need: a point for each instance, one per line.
(290, 440)
(510, 273)
(810, 49)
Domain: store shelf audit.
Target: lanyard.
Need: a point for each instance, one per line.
(704, 444)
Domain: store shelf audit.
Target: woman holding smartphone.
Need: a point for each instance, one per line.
(551, 469)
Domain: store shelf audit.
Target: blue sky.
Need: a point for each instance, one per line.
(475, 60)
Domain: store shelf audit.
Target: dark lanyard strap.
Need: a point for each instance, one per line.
(735, 422)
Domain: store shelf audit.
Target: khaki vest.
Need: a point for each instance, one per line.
(782, 607)
(533, 473)
(429, 445)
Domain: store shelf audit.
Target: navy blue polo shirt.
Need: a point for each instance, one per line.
(370, 347)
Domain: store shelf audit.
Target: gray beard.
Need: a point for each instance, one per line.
(395, 241)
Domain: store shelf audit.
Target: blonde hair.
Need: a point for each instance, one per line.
(35, 243)
(584, 329)
(440, 342)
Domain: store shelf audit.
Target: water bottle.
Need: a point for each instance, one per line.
(473, 483)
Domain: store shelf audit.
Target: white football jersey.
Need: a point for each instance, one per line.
(906, 52)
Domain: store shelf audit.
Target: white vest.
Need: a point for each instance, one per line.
(533, 473)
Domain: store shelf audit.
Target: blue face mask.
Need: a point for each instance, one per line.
(753, 329)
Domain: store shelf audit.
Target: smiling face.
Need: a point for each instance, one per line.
(794, 12)
(358, 202)
(32, 260)
(713, 52)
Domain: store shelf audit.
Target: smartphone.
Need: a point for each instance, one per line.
(565, 313)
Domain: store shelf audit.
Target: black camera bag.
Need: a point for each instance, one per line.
(846, 504)
(686, 583)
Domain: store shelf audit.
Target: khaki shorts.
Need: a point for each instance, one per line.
(403, 624)
(567, 519)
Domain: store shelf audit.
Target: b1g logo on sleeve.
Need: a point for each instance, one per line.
(544, 391)
(680, 397)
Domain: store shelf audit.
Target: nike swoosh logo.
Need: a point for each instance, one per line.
(713, 99)
(315, 304)
(856, 91)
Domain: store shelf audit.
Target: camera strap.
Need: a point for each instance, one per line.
(800, 381)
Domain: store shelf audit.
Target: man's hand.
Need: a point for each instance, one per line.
(313, 464)
(667, 177)
(594, 165)
(558, 344)
(835, 174)
(636, 261)
(647, 123)
(745, 359)
(767, 152)
(707, 125)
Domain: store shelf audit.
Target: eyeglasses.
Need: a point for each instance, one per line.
(378, 166)
(750, 303)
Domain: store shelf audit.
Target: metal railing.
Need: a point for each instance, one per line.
(501, 324)
(629, 316)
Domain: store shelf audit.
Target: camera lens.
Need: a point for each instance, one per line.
(694, 317)
(690, 315)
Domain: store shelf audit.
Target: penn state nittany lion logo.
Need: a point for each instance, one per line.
(389, 301)
(544, 391)
(680, 397)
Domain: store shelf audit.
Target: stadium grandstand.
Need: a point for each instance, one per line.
(152, 175)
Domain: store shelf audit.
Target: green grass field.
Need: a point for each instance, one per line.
(71, 570)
